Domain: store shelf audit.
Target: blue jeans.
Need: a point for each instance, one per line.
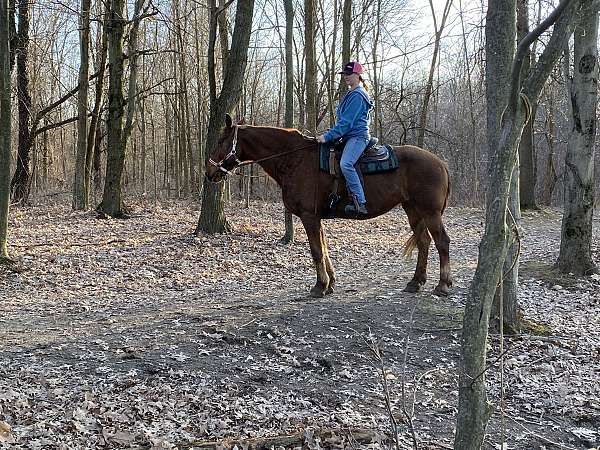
(355, 146)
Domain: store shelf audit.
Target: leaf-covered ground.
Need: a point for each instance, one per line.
(138, 334)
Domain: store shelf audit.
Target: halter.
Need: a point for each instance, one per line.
(232, 153)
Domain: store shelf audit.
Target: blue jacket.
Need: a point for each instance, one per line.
(353, 116)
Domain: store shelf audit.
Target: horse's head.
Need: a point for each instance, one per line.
(225, 158)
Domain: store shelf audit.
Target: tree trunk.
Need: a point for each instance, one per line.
(474, 409)
(527, 166)
(80, 195)
(112, 202)
(288, 120)
(311, 66)
(346, 32)
(21, 180)
(93, 141)
(212, 215)
(434, 59)
(576, 234)
(5, 127)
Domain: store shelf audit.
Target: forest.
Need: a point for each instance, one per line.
(164, 213)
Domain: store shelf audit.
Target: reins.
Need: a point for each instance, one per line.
(277, 155)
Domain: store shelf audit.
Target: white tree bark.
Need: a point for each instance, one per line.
(576, 235)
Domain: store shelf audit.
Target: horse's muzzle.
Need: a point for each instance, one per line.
(216, 177)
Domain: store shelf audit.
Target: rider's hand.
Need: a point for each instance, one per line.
(321, 139)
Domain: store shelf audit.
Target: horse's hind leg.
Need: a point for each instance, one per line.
(442, 242)
(315, 235)
(417, 224)
(328, 265)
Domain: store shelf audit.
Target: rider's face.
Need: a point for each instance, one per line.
(351, 79)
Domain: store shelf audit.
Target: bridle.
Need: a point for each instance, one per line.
(232, 153)
(237, 163)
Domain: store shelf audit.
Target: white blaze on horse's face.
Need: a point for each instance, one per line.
(227, 145)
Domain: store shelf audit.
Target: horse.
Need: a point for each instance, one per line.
(421, 184)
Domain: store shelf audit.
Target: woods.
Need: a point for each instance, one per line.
(117, 113)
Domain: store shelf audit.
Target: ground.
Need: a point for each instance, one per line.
(137, 334)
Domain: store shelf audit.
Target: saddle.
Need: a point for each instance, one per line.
(376, 158)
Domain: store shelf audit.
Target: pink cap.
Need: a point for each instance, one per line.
(352, 67)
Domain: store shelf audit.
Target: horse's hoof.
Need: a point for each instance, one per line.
(329, 290)
(316, 292)
(441, 290)
(413, 287)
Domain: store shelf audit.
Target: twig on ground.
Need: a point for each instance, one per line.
(409, 417)
(74, 244)
(374, 348)
(360, 436)
(248, 323)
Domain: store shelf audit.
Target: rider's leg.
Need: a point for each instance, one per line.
(352, 151)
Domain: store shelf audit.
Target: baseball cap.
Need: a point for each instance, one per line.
(352, 67)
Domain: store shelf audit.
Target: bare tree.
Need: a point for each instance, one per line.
(527, 166)
(311, 65)
(576, 235)
(212, 215)
(80, 194)
(434, 60)
(5, 127)
(20, 183)
(474, 409)
(118, 133)
(288, 120)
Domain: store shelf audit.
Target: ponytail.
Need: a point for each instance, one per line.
(365, 85)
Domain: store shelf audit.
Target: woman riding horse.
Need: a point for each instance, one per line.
(421, 185)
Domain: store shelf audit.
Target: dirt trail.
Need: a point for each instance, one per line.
(136, 334)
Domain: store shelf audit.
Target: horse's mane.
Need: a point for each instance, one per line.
(291, 131)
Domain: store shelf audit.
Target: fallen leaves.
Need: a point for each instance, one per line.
(155, 338)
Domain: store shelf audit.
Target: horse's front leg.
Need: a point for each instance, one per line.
(312, 225)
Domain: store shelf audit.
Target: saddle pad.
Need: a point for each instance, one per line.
(365, 166)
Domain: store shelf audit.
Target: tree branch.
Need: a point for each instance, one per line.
(522, 50)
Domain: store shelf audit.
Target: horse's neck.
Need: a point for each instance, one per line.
(263, 142)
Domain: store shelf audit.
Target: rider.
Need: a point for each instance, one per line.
(352, 126)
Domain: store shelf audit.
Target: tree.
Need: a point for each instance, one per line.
(576, 234)
(527, 165)
(5, 127)
(532, 79)
(474, 409)
(20, 183)
(112, 202)
(118, 133)
(434, 59)
(288, 120)
(212, 215)
(80, 194)
(311, 65)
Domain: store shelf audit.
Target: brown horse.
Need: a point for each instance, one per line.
(421, 185)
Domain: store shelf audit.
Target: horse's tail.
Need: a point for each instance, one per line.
(409, 246)
(447, 190)
(413, 240)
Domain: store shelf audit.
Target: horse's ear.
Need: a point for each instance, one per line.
(242, 121)
(228, 121)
